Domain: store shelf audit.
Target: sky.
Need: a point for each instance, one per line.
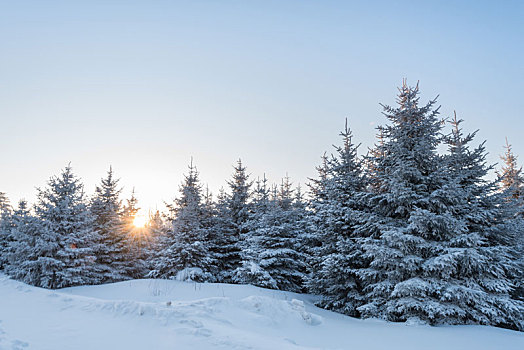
(143, 86)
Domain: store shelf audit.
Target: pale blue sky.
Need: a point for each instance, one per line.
(145, 85)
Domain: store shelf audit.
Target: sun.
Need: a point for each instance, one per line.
(139, 221)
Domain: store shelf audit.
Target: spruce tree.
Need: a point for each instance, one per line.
(230, 215)
(237, 210)
(223, 242)
(137, 240)
(187, 256)
(480, 250)
(67, 239)
(5, 227)
(250, 271)
(338, 213)
(272, 256)
(24, 248)
(157, 239)
(512, 180)
(280, 255)
(512, 185)
(431, 259)
(107, 211)
(5, 206)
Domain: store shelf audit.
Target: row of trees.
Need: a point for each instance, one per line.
(251, 234)
(65, 239)
(404, 233)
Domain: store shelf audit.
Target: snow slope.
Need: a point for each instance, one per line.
(160, 314)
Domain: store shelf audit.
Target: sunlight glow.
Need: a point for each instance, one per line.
(139, 221)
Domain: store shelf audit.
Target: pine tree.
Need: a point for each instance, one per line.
(512, 185)
(187, 253)
(237, 210)
(304, 231)
(137, 240)
(5, 206)
(430, 259)
(281, 256)
(338, 212)
(223, 242)
(511, 179)
(157, 239)
(67, 239)
(480, 250)
(250, 271)
(273, 259)
(24, 247)
(107, 211)
(5, 226)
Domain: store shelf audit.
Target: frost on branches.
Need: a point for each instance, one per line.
(436, 247)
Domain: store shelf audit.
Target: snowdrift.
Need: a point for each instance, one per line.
(161, 314)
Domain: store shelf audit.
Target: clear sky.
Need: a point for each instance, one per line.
(145, 85)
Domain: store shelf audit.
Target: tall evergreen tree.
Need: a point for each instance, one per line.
(237, 210)
(481, 248)
(512, 186)
(5, 227)
(5, 206)
(107, 211)
(67, 238)
(339, 211)
(24, 247)
(230, 215)
(511, 178)
(187, 252)
(223, 241)
(250, 271)
(428, 260)
(157, 239)
(137, 239)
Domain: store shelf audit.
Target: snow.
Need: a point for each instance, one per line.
(189, 274)
(166, 314)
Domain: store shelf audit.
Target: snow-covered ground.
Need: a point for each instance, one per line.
(160, 314)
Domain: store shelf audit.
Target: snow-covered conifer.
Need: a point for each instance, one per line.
(222, 238)
(157, 239)
(250, 272)
(433, 259)
(511, 178)
(272, 256)
(188, 249)
(512, 185)
(67, 238)
(107, 211)
(138, 239)
(5, 226)
(237, 209)
(23, 253)
(338, 212)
